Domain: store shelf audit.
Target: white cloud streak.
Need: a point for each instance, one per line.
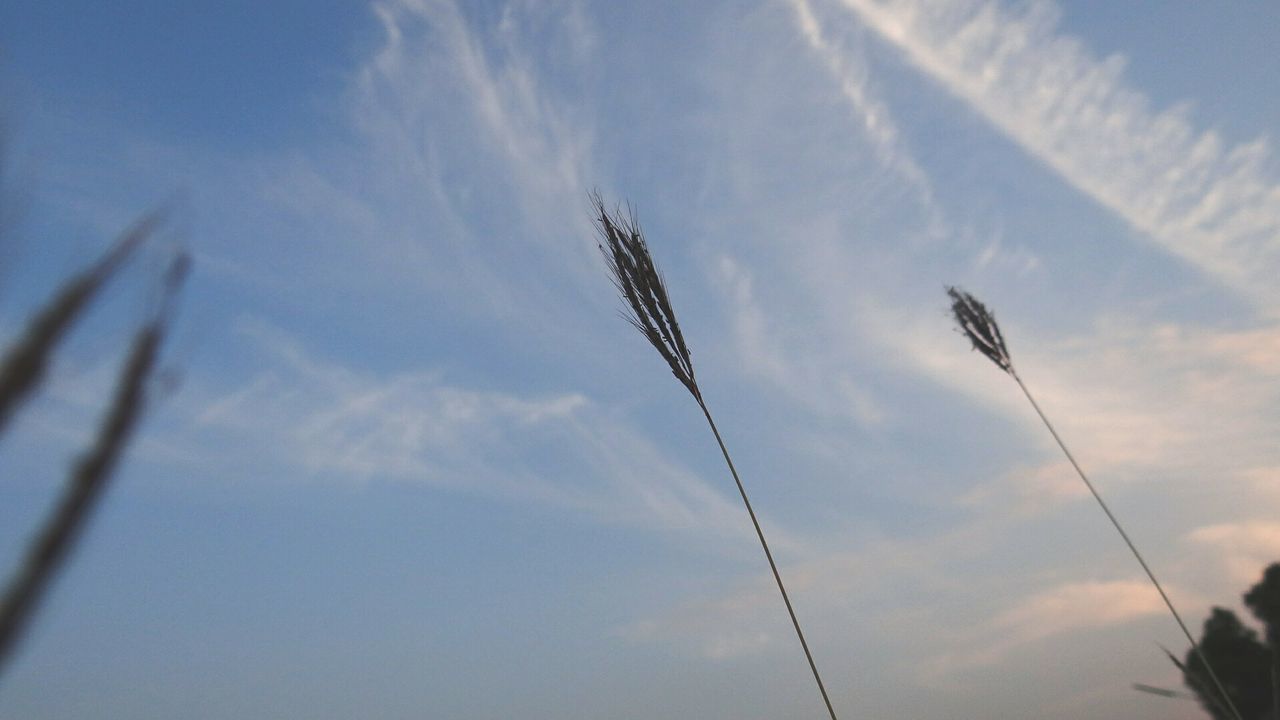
(1066, 608)
(433, 57)
(767, 349)
(849, 68)
(1214, 205)
(562, 451)
(1242, 547)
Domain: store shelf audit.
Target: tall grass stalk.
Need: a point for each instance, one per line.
(648, 308)
(979, 325)
(92, 472)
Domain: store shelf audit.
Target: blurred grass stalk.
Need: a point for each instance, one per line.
(648, 308)
(979, 325)
(21, 373)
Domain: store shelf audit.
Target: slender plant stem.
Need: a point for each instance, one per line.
(1132, 548)
(772, 565)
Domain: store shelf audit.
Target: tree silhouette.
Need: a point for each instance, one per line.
(1263, 600)
(1245, 663)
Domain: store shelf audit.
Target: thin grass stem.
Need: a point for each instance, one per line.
(777, 577)
(1127, 541)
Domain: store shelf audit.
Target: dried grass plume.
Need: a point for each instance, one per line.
(979, 325)
(642, 287)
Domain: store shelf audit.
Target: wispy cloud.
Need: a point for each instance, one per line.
(767, 346)
(1216, 205)
(1069, 607)
(850, 70)
(847, 65)
(466, 115)
(453, 164)
(325, 420)
(456, 178)
(1242, 547)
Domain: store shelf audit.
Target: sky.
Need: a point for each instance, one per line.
(411, 463)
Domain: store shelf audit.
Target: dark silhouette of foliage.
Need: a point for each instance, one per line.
(1245, 663)
(1263, 600)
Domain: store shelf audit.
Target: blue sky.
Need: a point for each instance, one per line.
(417, 466)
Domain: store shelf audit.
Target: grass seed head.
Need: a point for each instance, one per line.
(979, 325)
(639, 282)
(24, 365)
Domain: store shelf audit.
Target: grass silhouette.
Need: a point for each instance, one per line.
(979, 325)
(21, 374)
(648, 308)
